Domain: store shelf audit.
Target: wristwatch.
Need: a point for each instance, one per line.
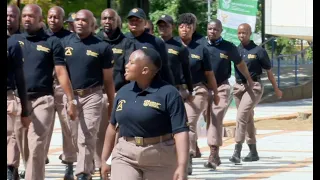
(73, 102)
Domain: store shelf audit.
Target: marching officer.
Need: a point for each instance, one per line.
(136, 23)
(149, 27)
(41, 54)
(203, 79)
(70, 21)
(177, 55)
(122, 48)
(153, 127)
(69, 156)
(222, 53)
(15, 80)
(13, 153)
(247, 98)
(89, 60)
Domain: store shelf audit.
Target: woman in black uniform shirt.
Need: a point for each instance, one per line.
(150, 113)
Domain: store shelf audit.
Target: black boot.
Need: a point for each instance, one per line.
(22, 174)
(12, 173)
(214, 159)
(190, 165)
(69, 172)
(47, 161)
(198, 153)
(253, 154)
(83, 177)
(235, 158)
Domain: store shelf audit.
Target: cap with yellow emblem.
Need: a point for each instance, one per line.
(165, 18)
(71, 17)
(137, 12)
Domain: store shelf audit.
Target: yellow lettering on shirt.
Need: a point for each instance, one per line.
(42, 48)
(120, 105)
(91, 53)
(117, 51)
(223, 56)
(194, 56)
(172, 51)
(148, 103)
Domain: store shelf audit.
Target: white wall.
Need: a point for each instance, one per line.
(289, 18)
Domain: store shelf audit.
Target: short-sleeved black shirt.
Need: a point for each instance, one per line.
(122, 48)
(222, 52)
(256, 59)
(14, 61)
(86, 59)
(146, 40)
(199, 60)
(178, 57)
(41, 53)
(155, 111)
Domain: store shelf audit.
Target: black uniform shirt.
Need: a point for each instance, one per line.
(86, 59)
(41, 53)
(61, 35)
(199, 60)
(14, 61)
(146, 40)
(122, 48)
(222, 52)
(178, 56)
(256, 59)
(155, 111)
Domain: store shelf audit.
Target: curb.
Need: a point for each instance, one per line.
(278, 117)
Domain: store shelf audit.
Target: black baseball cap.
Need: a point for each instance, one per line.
(166, 18)
(137, 12)
(71, 17)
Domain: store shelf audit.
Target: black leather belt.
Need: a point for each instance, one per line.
(36, 95)
(254, 78)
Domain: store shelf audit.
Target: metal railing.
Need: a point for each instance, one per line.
(289, 61)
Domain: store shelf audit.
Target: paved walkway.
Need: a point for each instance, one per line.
(283, 154)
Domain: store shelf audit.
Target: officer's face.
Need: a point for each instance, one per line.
(55, 20)
(12, 18)
(83, 24)
(31, 21)
(165, 29)
(137, 67)
(108, 21)
(214, 31)
(186, 31)
(136, 24)
(244, 34)
(149, 27)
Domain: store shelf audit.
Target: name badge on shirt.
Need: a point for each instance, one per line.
(223, 56)
(91, 53)
(117, 51)
(194, 56)
(172, 51)
(148, 103)
(42, 48)
(252, 56)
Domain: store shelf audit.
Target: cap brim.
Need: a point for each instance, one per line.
(162, 21)
(130, 16)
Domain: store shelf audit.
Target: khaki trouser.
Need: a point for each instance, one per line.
(194, 109)
(246, 99)
(13, 114)
(69, 150)
(215, 127)
(102, 132)
(84, 135)
(32, 142)
(152, 162)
